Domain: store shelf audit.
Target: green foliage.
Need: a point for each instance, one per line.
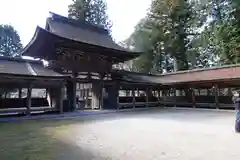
(224, 30)
(10, 43)
(92, 11)
(189, 34)
(165, 35)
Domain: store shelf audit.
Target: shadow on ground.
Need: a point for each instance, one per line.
(38, 140)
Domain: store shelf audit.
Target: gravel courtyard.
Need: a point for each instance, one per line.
(161, 134)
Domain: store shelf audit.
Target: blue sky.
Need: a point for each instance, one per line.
(25, 15)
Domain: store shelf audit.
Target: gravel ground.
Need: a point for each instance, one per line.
(169, 134)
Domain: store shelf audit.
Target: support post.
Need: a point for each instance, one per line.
(74, 91)
(61, 99)
(19, 93)
(97, 93)
(147, 98)
(193, 97)
(101, 94)
(229, 92)
(159, 94)
(29, 100)
(118, 105)
(216, 93)
(138, 93)
(208, 92)
(175, 94)
(134, 99)
(87, 96)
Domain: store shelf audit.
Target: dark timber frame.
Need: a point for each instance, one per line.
(30, 82)
(76, 48)
(80, 54)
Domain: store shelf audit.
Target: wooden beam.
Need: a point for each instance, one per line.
(29, 100)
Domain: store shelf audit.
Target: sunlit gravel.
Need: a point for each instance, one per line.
(169, 134)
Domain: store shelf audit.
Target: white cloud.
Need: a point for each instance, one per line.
(25, 15)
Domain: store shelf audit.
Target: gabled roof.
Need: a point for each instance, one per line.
(23, 67)
(81, 32)
(78, 36)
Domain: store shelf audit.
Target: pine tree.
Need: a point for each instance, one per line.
(10, 43)
(91, 11)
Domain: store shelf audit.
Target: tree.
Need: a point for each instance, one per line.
(187, 34)
(10, 43)
(165, 35)
(223, 32)
(145, 39)
(92, 11)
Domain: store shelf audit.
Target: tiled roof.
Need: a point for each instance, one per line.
(219, 74)
(202, 75)
(82, 32)
(22, 67)
(76, 36)
(133, 77)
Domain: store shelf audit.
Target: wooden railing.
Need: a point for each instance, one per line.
(18, 105)
(225, 102)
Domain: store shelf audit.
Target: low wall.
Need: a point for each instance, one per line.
(198, 99)
(20, 103)
(137, 99)
(225, 102)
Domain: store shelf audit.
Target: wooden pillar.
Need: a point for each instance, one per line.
(74, 90)
(97, 94)
(193, 97)
(229, 92)
(46, 92)
(134, 99)
(216, 94)
(29, 100)
(101, 94)
(118, 105)
(138, 93)
(61, 96)
(147, 97)
(159, 94)
(208, 92)
(175, 94)
(19, 92)
(87, 97)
